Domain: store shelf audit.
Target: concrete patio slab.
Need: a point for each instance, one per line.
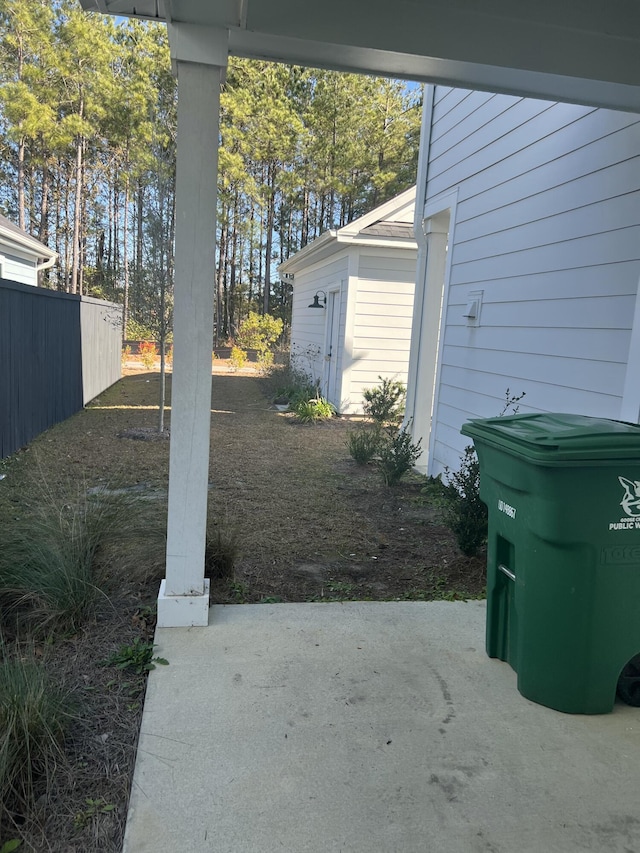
(369, 727)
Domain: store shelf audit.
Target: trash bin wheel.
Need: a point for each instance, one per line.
(629, 683)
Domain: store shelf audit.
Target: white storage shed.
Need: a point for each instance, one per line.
(361, 278)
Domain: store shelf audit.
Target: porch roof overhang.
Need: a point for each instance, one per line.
(583, 51)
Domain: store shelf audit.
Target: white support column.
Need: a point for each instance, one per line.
(425, 333)
(184, 593)
(415, 347)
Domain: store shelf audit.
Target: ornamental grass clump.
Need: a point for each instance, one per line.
(57, 562)
(34, 715)
(222, 549)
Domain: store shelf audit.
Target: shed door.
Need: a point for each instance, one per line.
(331, 347)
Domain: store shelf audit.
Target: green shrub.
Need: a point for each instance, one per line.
(384, 404)
(238, 357)
(363, 443)
(313, 410)
(148, 352)
(138, 331)
(265, 360)
(259, 332)
(466, 514)
(397, 455)
(34, 714)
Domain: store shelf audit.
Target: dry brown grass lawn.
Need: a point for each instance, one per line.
(309, 524)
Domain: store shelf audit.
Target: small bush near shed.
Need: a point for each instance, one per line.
(384, 404)
(397, 455)
(364, 443)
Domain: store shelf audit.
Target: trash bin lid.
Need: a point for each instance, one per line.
(550, 438)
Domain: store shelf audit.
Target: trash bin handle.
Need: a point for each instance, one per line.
(507, 572)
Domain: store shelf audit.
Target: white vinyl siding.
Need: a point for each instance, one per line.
(16, 268)
(382, 327)
(548, 227)
(308, 325)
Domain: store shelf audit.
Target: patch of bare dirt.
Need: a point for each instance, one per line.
(146, 434)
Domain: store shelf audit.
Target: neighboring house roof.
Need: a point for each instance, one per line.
(389, 225)
(390, 229)
(12, 236)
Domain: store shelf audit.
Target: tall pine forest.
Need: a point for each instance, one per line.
(88, 113)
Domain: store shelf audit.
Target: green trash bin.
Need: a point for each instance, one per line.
(563, 553)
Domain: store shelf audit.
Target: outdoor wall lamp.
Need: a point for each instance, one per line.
(316, 300)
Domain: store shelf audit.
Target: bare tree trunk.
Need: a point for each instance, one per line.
(45, 189)
(116, 230)
(43, 228)
(125, 259)
(109, 264)
(163, 347)
(304, 232)
(271, 205)
(139, 233)
(68, 252)
(58, 230)
(167, 199)
(83, 238)
(21, 202)
(232, 278)
(323, 199)
(260, 268)
(30, 177)
(75, 267)
(252, 227)
(21, 143)
(222, 249)
(163, 379)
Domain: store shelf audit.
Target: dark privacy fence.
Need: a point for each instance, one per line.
(56, 353)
